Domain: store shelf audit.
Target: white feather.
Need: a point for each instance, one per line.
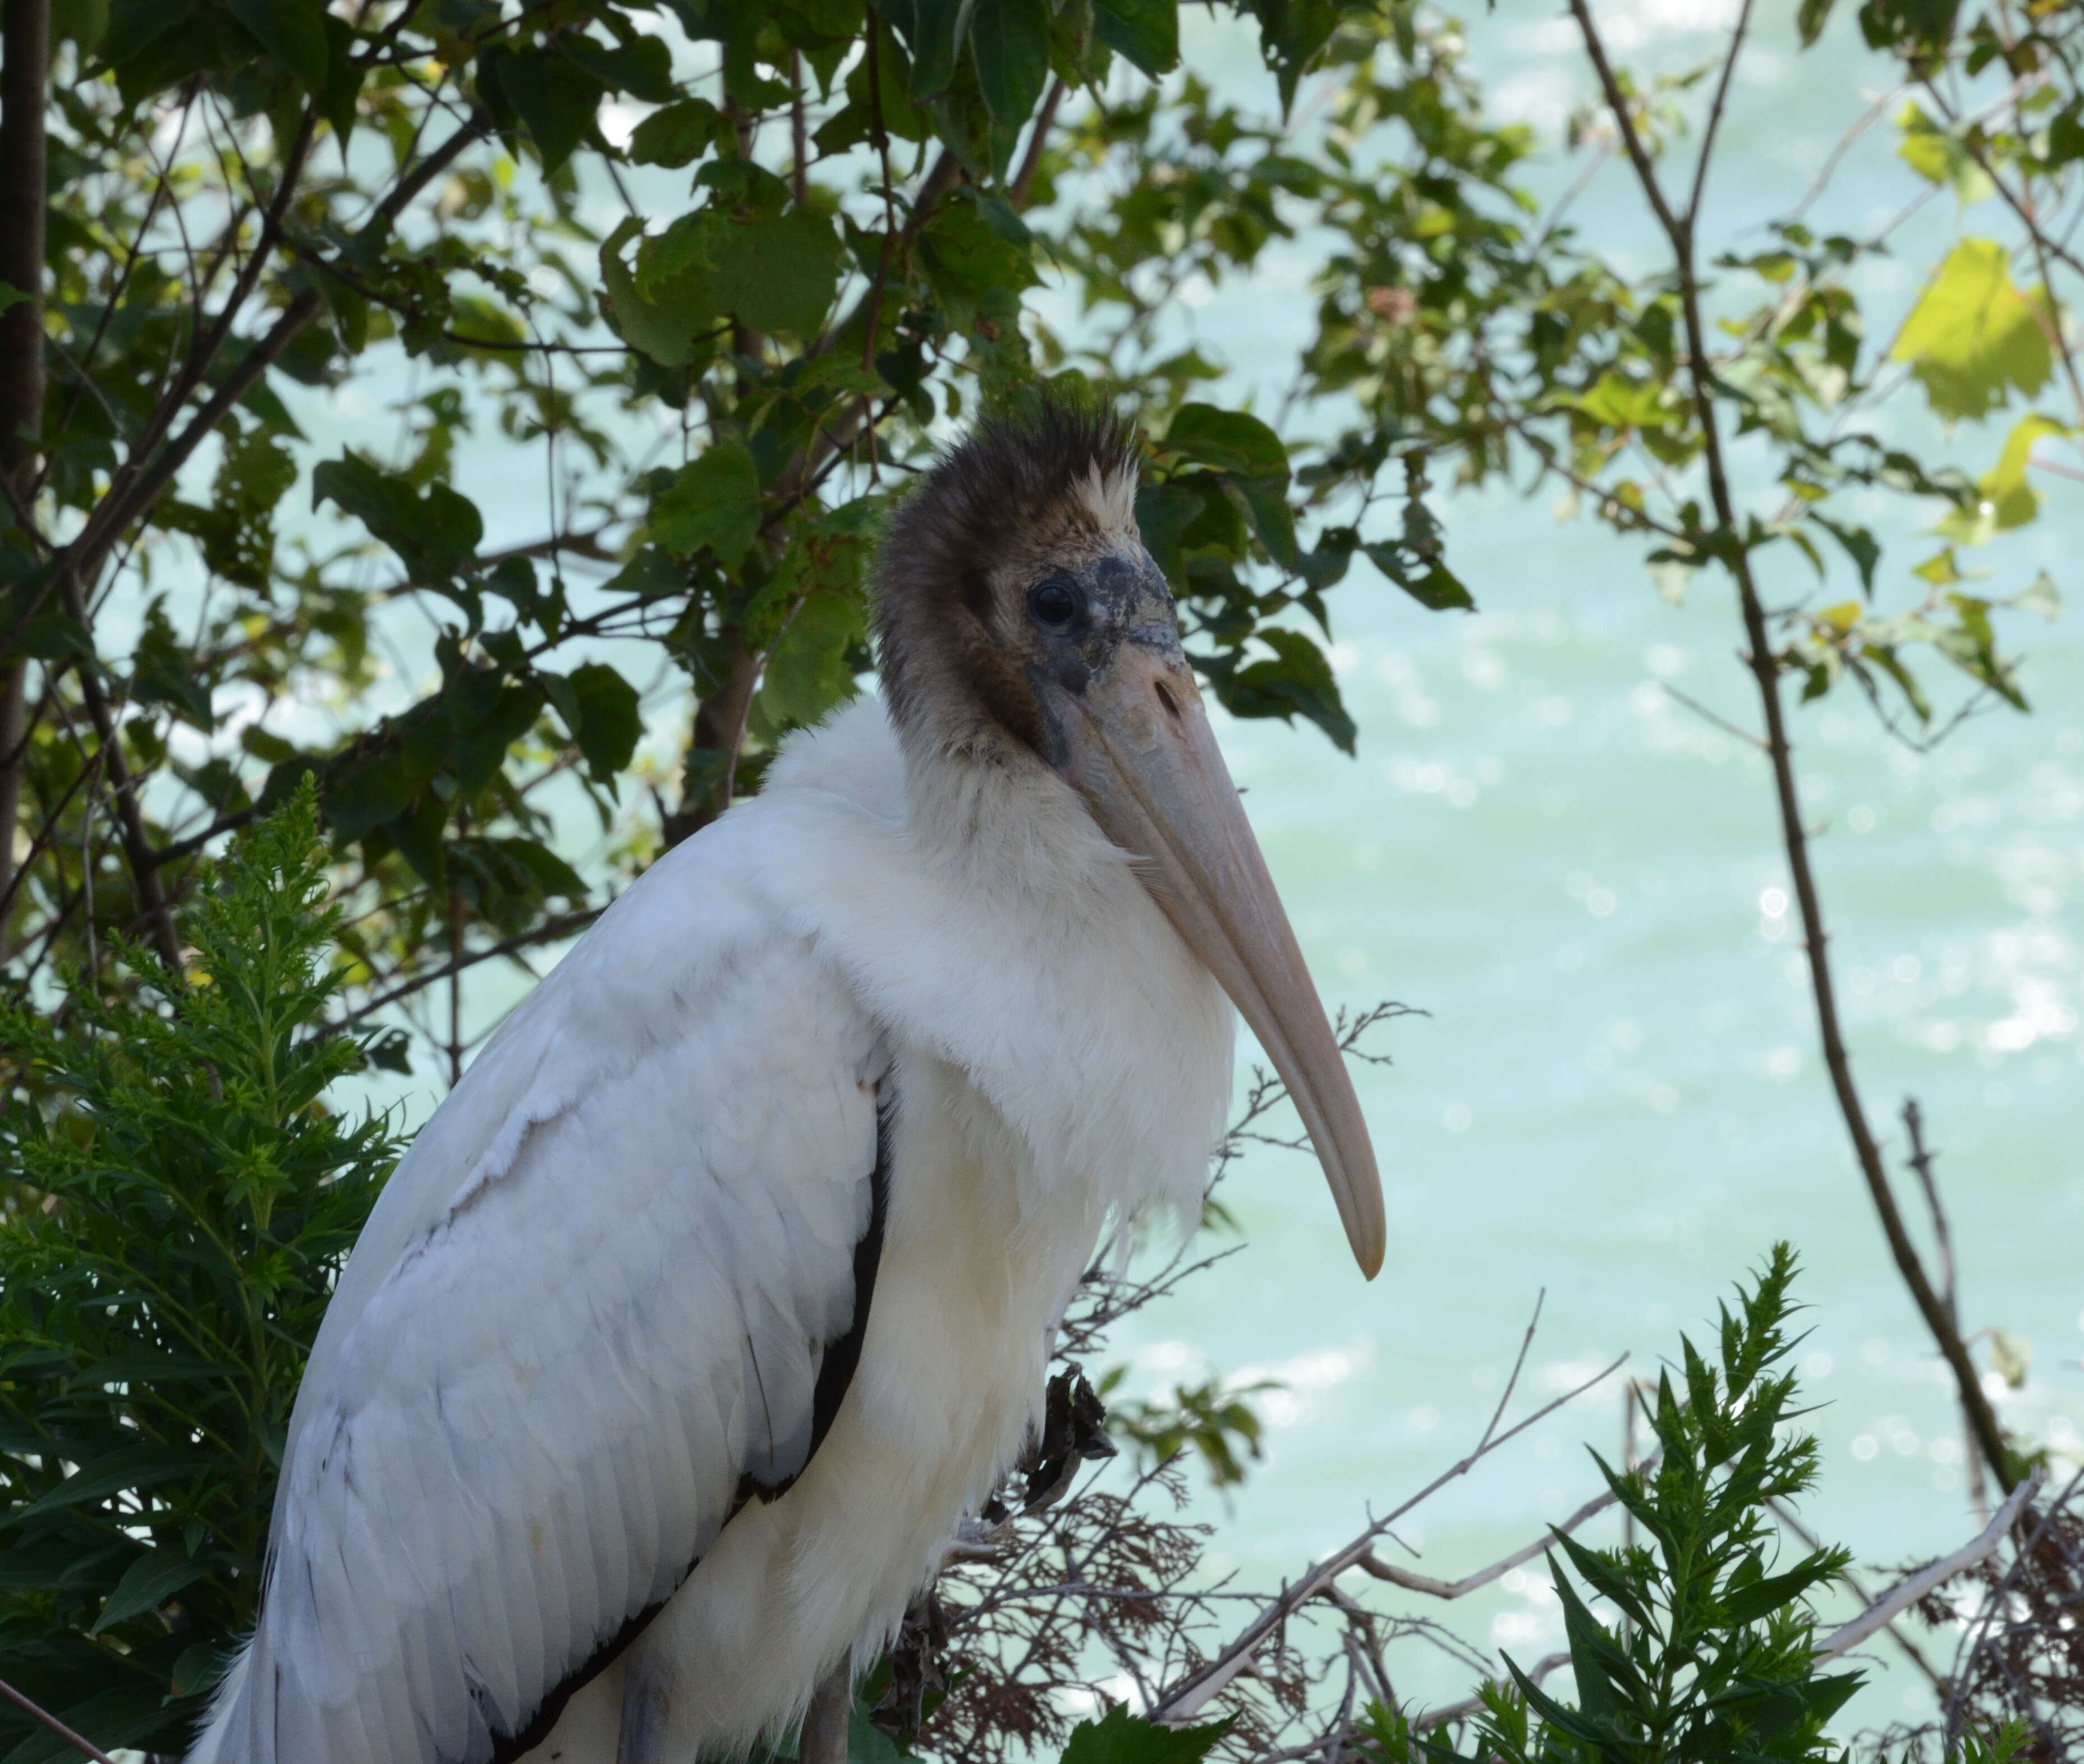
(595, 1290)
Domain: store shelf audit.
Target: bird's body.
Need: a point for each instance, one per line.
(723, 1285)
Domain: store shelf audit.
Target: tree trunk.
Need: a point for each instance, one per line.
(24, 61)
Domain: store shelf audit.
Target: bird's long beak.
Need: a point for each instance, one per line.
(1142, 754)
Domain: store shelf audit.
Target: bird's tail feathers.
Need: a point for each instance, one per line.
(224, 1737)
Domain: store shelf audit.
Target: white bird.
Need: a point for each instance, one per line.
(724, 1283)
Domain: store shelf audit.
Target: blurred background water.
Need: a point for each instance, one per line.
(1615, 1099)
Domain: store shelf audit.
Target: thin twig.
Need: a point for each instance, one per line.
(35, 1712)
(564, 925)
(1185, 1699)
(1373, 1564)
(1715, 110)
(1716, 717)
(1023, 179)
(1788, 1517)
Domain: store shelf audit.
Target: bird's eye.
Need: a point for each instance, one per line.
(1055, 604)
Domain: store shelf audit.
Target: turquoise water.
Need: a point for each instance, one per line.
(1616, 1099)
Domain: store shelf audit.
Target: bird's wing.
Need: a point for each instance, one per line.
(618, 1284)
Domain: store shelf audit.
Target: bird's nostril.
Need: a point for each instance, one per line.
(1165, 698)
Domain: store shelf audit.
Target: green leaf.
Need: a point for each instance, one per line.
(680, 134)
(966, 260)
(152, 44)
(2039, 595)
(1859, 544)
(336, 99)
(774, 271)
(2065, 136)
(714, 500)
(807, 673)
(604, 719)
(1295, 679)
(373, 791)
(930, 29)
(1010, 40)
(292, 31)
(1119, 1737)
(778, 274)
(1604, 1579)
(650, 574)
(1145, 32)
(1594, 1653)
(1810, 18)
(664, 330)
(143, 1466)
(642, 67)
(1229, 440)
(2012, 499)
(155, 1576)
(1428, 581)
(1291, 34)
(164, 671)
(1754, 1601)
(1937, 155)
(435, 533)
(554, 97)
(1974, 337)
(1886, 658)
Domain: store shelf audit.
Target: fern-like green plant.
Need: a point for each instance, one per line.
(1704, 1651)
(178, 1199)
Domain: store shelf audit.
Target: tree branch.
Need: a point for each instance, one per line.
(1765, 668)
(1905, 1593)
(37, 1712)
(81, 561)
(24, 56)
(564, 925)
(1185, 1700)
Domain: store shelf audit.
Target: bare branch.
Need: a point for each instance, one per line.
(1715, 110)
(1905, 1593)
(1371, 1563)
(36, 1712)
(1181, 1703)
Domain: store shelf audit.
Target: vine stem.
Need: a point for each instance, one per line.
(1763, 666)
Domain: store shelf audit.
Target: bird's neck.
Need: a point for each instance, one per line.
(1006, 825)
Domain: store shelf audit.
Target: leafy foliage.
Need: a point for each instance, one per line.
(1214, 1418)
(820, 238)
(179, 1200)
(1699, 1644)
(1706, 1651)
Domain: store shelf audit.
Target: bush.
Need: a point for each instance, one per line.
(179, 1200)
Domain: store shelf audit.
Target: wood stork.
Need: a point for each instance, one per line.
(723, 1284)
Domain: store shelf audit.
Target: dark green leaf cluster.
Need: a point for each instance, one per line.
(831, 218)
(179, 1198)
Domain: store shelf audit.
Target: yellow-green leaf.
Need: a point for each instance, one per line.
(1938, 157)
(1975, 336)
(2014, 501)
